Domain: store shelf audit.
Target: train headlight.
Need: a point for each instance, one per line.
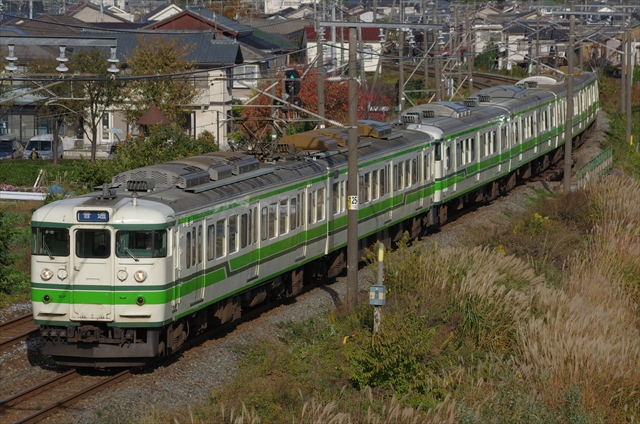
(62, 273)
(140, 276)
(46, 274)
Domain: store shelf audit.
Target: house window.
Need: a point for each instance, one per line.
(105, 126)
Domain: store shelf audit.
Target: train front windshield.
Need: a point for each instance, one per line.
(51, 242)
(145, 244)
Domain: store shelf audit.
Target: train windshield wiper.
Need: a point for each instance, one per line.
(44, 244)
(130, 253)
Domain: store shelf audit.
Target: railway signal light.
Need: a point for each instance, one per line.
(292, 82)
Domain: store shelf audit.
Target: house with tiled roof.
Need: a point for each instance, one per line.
(89, 12)
(336, 54)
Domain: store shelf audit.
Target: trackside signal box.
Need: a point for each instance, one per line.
(377, 295)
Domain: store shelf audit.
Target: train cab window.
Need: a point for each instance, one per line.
(93, 243)
(320, 204)
(220, 238)
(264, 223)
(244, 230)
(284, 209)
(232, 232)
(273, 220)
(293, 213)
(194, 246)
(211, 240)
(188, 249)
(199, 244)
(374, 185)
(51, 242)
(149, 244)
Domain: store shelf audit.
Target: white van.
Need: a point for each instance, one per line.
(44, 147)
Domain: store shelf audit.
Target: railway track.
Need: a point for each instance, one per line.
(17, 330)
(49, 397)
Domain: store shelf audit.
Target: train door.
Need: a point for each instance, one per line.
(297, 218)
(250, 237)
(197, 253)
(92, 281)
(177, 268)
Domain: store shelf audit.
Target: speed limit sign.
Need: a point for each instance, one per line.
(352, 203)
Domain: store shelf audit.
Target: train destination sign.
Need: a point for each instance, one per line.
(93, 216)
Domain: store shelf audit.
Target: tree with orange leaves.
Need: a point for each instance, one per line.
(336, 99)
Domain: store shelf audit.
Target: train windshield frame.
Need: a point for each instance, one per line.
(93, 243)
(141, 243)
(50, 242)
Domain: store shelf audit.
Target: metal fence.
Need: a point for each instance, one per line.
(596, 168)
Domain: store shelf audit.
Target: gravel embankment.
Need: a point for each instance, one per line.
(189, 380)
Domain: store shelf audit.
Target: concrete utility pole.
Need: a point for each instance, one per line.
(629, 81)
(568, 137)
(425, 45)
(352, 180)
(438, 63)
(320, 72)
(469, 52)
(400, 70)
(623, 73)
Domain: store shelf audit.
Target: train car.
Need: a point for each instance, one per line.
(168, 251)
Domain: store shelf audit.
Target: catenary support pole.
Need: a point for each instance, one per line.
(568, 137)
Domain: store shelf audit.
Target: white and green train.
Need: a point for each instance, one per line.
(169, 250)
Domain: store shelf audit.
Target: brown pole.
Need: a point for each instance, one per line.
(320, 72)
(400, 71)
(629, 84)
(352, 180)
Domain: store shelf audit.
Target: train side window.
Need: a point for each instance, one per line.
(293, 213)
(311, 204)
(374, 185)
(407, 173)
(188, 249)
(336, 198)
(220, 238)
(301, 209)
(199, 244)
(438, 151)
(233, 233)
(253, 224)
(447, 158)
(367, 187)
(505, 137)
(211, 240)
(395, 180)
(494, 142)
(320, 203)
(284, 208)
(194, 246)
(472, 150)
(273, 219)
(383, 182)
(427, 166)
(264, 223)
(343, 196)
(459, 147)
(361, 189)
(244, 230)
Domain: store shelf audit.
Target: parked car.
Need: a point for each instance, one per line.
(44, 147)
(10, 147)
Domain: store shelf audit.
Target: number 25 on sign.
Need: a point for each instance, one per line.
(352, 203)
